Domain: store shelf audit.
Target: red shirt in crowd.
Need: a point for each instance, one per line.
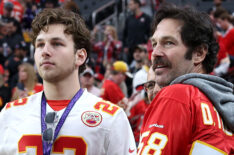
(111, 92)
(228, 41)
(136, 118)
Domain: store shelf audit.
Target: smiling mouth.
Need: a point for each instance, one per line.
(160, 66)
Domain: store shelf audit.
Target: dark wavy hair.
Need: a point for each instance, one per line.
(73, 22)
(197, 31)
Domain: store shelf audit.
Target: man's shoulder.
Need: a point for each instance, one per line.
(23, 103)
(179, 91)
(106, 109)
(20, 110)
(179, 87)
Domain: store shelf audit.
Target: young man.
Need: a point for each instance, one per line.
(64, 118)
(194, 113)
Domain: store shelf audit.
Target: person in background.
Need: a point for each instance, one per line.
(139, 58)
(87, 81)
(27, 83)
(13, 62)
(63, 118)
(137, 103)
(228, 38)
(5, 93)
(151, 87)
(111, 90)
(221, 67)
(193, 113)
(11, 9)
(108, 50)
(146, 90)
(136, 29)
(14, 35)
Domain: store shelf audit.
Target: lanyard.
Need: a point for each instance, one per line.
(48, 146)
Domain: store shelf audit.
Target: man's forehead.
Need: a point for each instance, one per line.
(55, 33)
(167, 28)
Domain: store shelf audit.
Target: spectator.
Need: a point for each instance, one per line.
(107, 50)
(14, 61)
(31, 9)
(72, 6)
(137, 103)
(137, 28)
(7, 11)
(3, 33)
(87, 81)
(136, 114)
(140, 57)
(27, 83)
(111, 90)
(228, 38)
(223, 60)
(11, 9)
(151, 87)
(217, 13)
(194, 113)
(63, 115)
(5, 94)
(14, 35)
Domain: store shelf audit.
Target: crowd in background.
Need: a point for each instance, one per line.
(117, 68)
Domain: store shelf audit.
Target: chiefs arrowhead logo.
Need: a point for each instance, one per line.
(91, 118)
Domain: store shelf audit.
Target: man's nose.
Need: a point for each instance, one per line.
(47, 50)
(157, 51)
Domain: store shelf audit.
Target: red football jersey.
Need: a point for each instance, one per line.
(111, 92)
(181, 120)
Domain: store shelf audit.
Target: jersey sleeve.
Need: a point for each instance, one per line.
(121, 139)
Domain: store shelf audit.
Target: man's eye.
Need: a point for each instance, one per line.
(154, 45)
(168, 43)
(150, 86)
(40, 45)
(57, 44)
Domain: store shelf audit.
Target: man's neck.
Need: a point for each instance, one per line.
(89, 87)
(62, 90)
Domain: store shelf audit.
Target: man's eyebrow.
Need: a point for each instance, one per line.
(52, 39)
(152, 39)
(168, 38)
(39, 40)
(163, 38)
(57, 39)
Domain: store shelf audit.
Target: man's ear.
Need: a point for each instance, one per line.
(199, 54)
(80, 57)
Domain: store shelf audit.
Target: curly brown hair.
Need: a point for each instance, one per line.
(73, 22)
